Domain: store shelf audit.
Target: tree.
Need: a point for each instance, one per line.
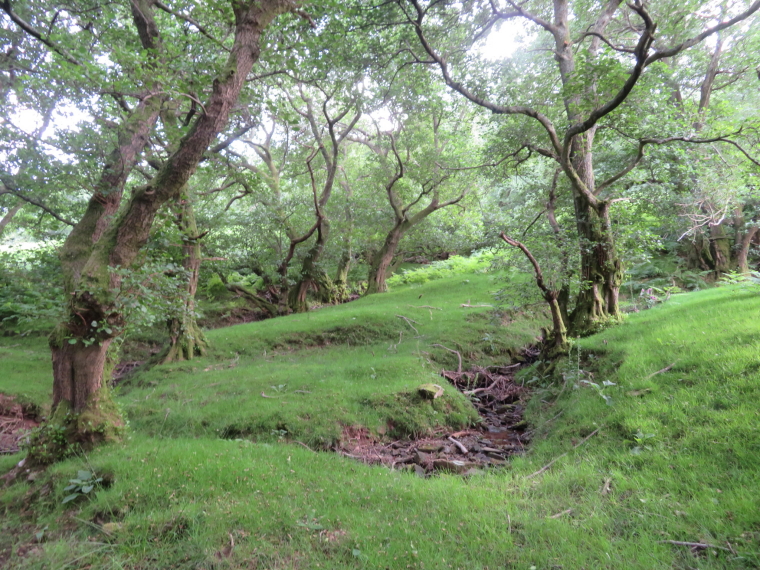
(109, 236)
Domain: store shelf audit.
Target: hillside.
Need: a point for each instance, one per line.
(650, 435)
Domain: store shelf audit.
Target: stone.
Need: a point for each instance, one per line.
(112, 527)
(430, 447)
(421, 457)
(453, 465)
(429, 391)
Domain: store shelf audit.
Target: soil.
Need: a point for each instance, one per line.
(501, 433)
(15, 423)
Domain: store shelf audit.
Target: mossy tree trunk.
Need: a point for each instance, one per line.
(102, 241)
(344, 263)
(186, 339)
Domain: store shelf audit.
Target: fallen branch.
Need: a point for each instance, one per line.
(409, 322)
(461, 447)
(565, 512)
(661, 371)
(553, 461)
(693, 544)
(606, 486)
(469, 306)
(459, 356)
(263, 395)
(301, 392)
(425, 307)
(477, 390)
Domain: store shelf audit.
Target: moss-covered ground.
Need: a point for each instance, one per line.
(212, 477)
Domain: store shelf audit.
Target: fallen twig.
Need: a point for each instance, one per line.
(661, 371)
(461, 447)
(425, 307)
(469, 306)
(693, 544)
(606, 486)
(409, 322)
(301, 392)
(565, 512)
(553, 461)
(263, 395)
(459, 356)
(306, 446)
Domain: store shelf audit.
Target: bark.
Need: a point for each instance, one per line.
(186, 339)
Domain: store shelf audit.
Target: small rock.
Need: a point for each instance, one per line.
(473, 471)
(430, 391)
(430, 447)
(453, 465)
(419, 471)
(112, 527)
(421, 457)
(495, 455)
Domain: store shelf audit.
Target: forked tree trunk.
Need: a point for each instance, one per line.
(98, 244)
(312, 275)
(186, 339)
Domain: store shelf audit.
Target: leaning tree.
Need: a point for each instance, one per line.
(107, 239)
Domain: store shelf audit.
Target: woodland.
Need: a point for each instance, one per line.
(406, 261)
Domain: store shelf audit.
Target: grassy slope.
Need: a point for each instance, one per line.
(180, 499)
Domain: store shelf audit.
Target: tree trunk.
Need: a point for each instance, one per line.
(720, 247)
(341, 275)
(186, 339)
(9, 215)
(601, 270)
(742, 252)
(381, 261)
(98, 243)
(313, 276)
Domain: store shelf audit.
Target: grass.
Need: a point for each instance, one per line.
(178, 496)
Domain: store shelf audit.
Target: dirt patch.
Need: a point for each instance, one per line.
(501, 433)
(15, 422)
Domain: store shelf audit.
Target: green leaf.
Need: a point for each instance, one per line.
(70, 497)
(87, 488)
(72, 341)
(84, 475)
(70, 487)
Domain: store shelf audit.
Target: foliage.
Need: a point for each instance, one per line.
(31, 296)
(479, 262)
(84, 483)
